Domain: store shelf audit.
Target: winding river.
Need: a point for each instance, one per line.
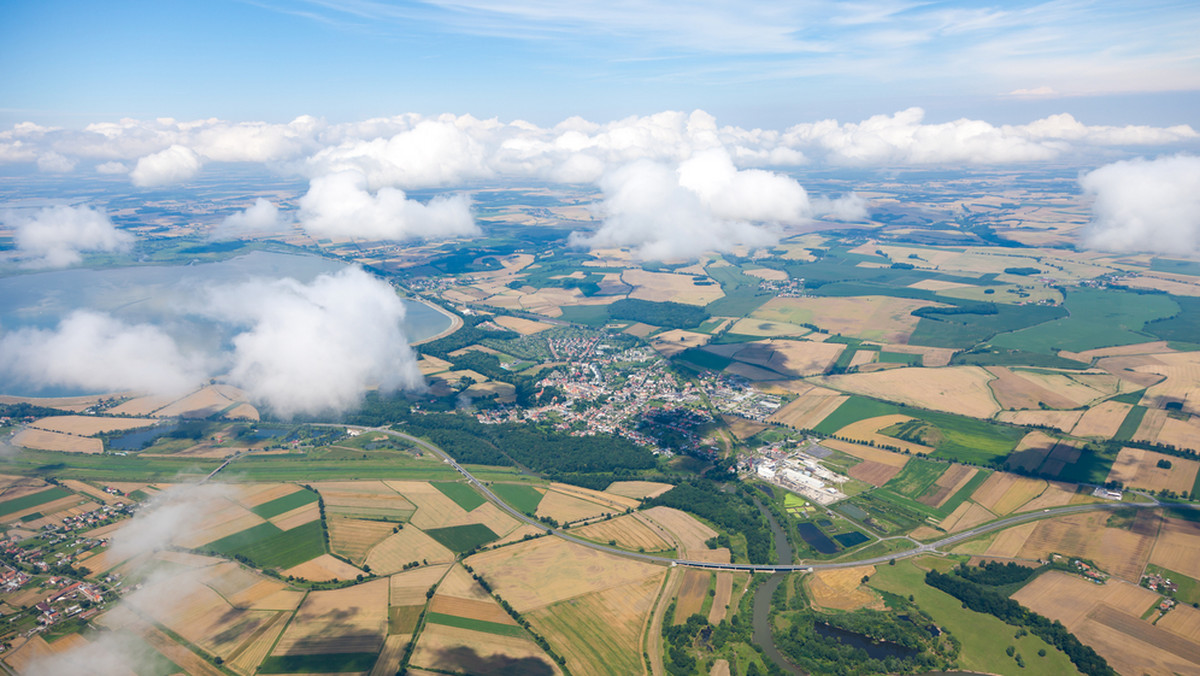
(762, 597)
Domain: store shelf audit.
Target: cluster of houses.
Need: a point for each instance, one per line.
(1158, 583)
(731, 395)
(68, 600)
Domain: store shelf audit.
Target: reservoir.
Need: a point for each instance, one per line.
(162, 295)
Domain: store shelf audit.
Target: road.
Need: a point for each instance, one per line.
(921, 548)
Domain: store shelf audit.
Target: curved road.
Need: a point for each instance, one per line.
(763, 568)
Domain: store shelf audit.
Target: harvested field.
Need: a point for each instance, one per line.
(565, 508)
(349, 620)
(874, 473)
(388, 663)
(1031, 451)
(494, 518)
(720, 606)
(253, 495)
(1138, 468)
(1180, 433)
(791, 358)
(967, 515)
(1010, 541)
(808, 410)
(767, 273)
(1003, 492)
(931, 357)
(93, 492)
(1075, 389)
(354, 538)
(1015, 392)
(44, 440)
(1106, 617)
(88, 425)
(867, 431)
(322, 569)
(638, 489)
(258, 645)
(208, 400)
(1102, 420)
(842, 589)
(460, 650)
(1183, 621)
(1087, 356)
(666, 286)
(409, 588)
(1182, 381)
(459, 584)
(1178, 547)
(600, 632)
(405, 546)
(1122, 553)
(672, 342)
(434, 509)
(429, 365)
(765, 329)
(948, 484)
(954, 389)
(1056, 494)
(540, 572)
(141, 406)
(36, 649)
(692, 591)
(879, 318)
(627, 531)
(525, 327)
(689, 533)
(742, 428)
(1060, 420)
(486, 610)
(221, 518)
(614, 500)
(867, 453)
(297, 517)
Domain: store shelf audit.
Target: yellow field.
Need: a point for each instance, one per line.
(208, 400)
(1180, 433)
(353, 538)
(1123, 553)
(44, 440)
(879, 318)
(1032, 450)
(568, 509)
(524, 327)
(692, 591)
(966, 515)
(767, 329)
(408, 545)
(221, 518)
(256, 648)
(600, 632)
(409, 588)
(434, 509)
(429, 365)
(1182, 383)
(353, 619)
(389, 658)
(666, 286)
(767, 273)
(486, 609)
(36, 649)
(1016, 392)
(1178, 547)
(867, 431)
(954, 389)
(459, 584)
(615, 500)
(689, 534)
(462, 650)
(253, 495)
(791, 358)
(1055, 494)
(808, 410)
(931, 357)
(540, 572)
(1138, 468)
(1102, 420)
(322, 569)
(948, 485)
(638, 489)
(87, 425)
(842, 589)
(1106, 617)
(720, 605)
(297, 517)
(1061, 420)
(627, 531)
(1183, 621)
(671, 343)
(1003, 492)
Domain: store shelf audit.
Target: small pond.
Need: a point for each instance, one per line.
(880, 650)
(816, 539)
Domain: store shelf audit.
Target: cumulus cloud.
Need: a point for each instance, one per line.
(339, 205)
(849, 207)
(58, 236)
(1145, 205)
(311, 348)
(703, 204)
(262, 217)
(173, 165)
(104, 654)
(166, 515)
(111, 168)
(55, 163)
(99, 353)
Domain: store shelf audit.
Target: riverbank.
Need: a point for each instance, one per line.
(456, 321)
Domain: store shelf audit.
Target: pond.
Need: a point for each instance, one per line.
(139, 439)
(816, 539)
(876, 650)
(850, 539)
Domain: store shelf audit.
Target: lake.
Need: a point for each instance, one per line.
(155, 294)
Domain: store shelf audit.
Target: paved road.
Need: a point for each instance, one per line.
(921, 548)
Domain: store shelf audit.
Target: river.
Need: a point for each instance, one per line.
(762, 597)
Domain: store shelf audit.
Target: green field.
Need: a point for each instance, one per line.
(966, 329)
(269, 547)
(965, 492)
(1091, 467)
(852, 410)
(1188, 590)
(403, 619)
(331, 663)
(459, 539)
(984, 637)
(1133, 420)
(917, 476)
(1098, 319)
(524, 499)
(475, 625)
(33, 500)
(463, 495)
(285, 504)
(900, 358)
(103, 468)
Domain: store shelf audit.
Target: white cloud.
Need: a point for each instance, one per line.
(703, 204)
(173, 165)
(1145, 205)
(98, 353)
(262, 217)
(339, 205)
(849, 207)
(111, 168)
(316, 347)
(58, 236)
(55, 163)
(164, 517)
(103, 654)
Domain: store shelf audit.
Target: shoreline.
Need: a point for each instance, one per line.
(456, 322)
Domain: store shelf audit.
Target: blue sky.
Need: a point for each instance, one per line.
(72, 62)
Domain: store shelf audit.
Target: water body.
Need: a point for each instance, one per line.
(161, 295)
(761, 621)
(880, 650)
(816, 539)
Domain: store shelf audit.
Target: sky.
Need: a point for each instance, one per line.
(760, 64)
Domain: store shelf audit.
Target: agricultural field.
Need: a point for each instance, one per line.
(627, 532)
(842, 589)
(1139, 468)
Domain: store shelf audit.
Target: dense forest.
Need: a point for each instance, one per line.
(667, 313)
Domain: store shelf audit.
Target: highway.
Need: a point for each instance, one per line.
(921, 548)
